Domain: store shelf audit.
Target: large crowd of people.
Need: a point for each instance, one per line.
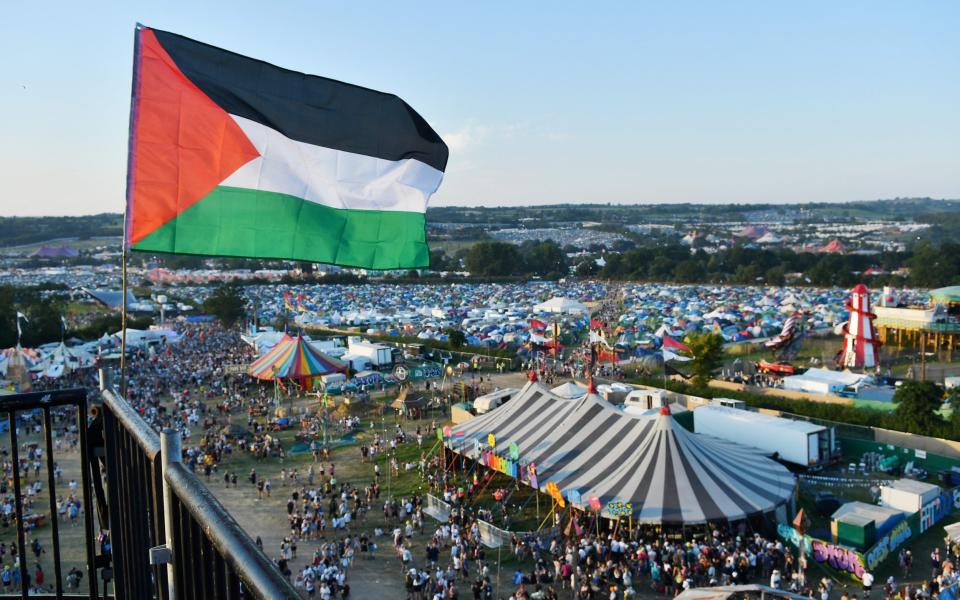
(333, 524)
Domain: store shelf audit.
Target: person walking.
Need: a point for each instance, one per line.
(867, 580)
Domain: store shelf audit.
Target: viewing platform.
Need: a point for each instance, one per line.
(169, 537)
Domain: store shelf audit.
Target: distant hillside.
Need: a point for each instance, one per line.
(20, 231)
(898, 208)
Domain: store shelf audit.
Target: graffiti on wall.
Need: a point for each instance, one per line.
(838, 557)
(888, 544)
(934, 511)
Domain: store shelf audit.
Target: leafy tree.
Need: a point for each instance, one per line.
(226, 303)
(934, 266)
(661, 268)
(8, 312)
(776, 275)
(917, 404)
(45, 325)
(494, 259)
(689, 271)
(544, 258)
(439, 261)
(707, 350)
(587, 268)
(456, 338)
(109, 324)
(746, 274)
(43, 315)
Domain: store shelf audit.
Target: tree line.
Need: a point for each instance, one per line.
(929, 265)
(43, 324)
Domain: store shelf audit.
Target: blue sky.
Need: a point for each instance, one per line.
(540, 102)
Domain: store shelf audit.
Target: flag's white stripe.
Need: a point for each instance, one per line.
(332, 177)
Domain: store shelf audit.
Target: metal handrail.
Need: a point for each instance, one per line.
(146, 437)
(259, 575)
(217, 529)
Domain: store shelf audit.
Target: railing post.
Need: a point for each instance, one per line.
(170, 454)
(106, 379)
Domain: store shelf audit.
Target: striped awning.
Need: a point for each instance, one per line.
(294, 358)
(591, 449)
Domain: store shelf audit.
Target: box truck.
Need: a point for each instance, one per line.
(798, 442)
(380, 355)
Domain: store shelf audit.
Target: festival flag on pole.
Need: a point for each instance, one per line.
(595, 324)
(668, 356)
(537, 324)
(232, 156)
(20, 315)
(671, 344)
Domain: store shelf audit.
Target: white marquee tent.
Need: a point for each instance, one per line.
(591, 449)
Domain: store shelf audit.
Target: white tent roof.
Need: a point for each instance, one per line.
(561, 305)
(844, 378)
(570, 391)
(588, 449)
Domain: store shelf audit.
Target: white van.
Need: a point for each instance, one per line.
(333, 380)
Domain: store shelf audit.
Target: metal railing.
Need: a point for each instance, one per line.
(173, 538)
(134, 483)
(22, 409)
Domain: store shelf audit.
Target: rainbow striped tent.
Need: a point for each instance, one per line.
(294, 358)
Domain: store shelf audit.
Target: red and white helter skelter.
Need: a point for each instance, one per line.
(860, 346)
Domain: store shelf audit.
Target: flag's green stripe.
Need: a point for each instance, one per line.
(234, 221)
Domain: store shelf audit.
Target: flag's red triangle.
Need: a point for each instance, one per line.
(183, 143)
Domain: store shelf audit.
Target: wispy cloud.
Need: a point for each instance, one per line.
(466, 137)
(558, 136)
(473, 134)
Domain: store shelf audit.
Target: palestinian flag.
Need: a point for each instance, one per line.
(231, 156)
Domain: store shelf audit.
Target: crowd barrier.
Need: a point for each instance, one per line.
(848, 482)
(437, 508)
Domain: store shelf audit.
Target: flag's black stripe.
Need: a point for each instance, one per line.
(307, 108)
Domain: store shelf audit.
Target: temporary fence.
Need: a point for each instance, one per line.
(492, 536)
(437, 508)
(835, 482)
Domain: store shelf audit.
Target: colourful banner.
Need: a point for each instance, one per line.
(619, 509)
(500, 463)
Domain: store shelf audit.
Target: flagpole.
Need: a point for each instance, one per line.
(123, 313)
(126, 212)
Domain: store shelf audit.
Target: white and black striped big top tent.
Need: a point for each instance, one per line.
(591, 449)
